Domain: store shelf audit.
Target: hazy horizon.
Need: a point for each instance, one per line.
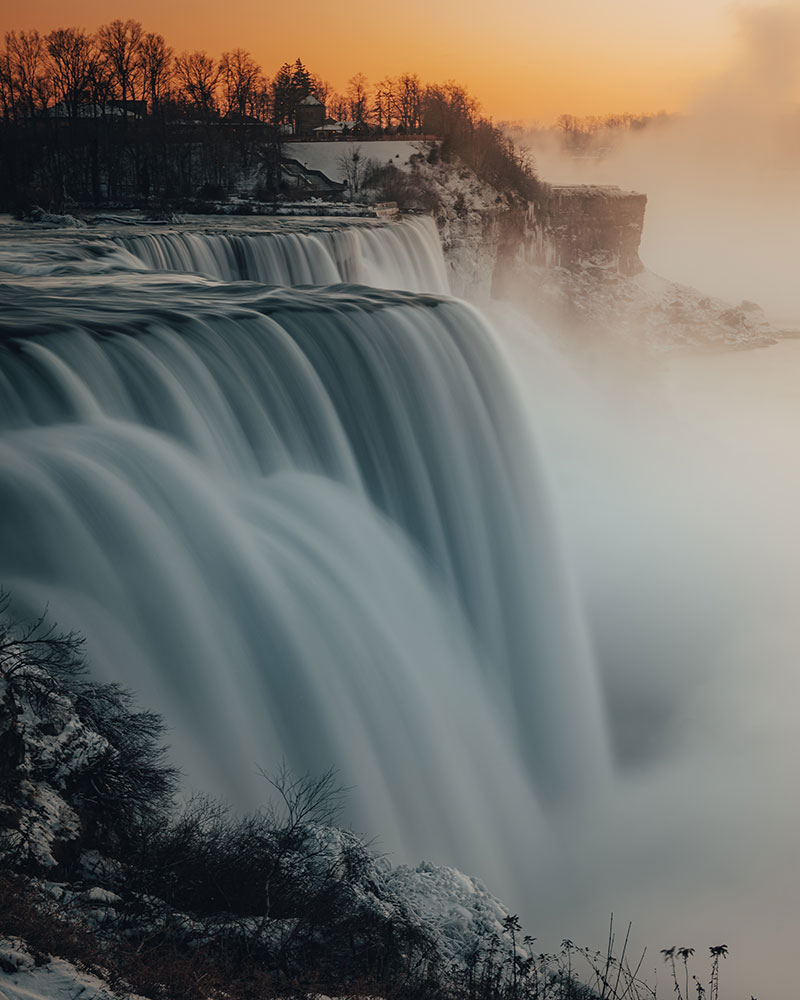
(722, 180)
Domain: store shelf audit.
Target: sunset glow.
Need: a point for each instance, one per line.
(523, 61)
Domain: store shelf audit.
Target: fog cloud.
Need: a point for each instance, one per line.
(678, 487)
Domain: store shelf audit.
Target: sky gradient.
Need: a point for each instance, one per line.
(523, 60)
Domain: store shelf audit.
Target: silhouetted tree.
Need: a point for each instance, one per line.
(73, 67)
(24, 77)
(292, 85)
(337, 106)
(384, 108)
(241, 82)
(157, 59)
(120, 47)
(197, 75)
(408, 101)
(448, 110)
(358, 98)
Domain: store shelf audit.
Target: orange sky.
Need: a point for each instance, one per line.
(523, 59)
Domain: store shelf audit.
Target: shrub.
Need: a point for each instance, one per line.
(97, 762)
(494, 158)
(411, 192)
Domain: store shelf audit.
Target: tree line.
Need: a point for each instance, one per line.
(118, 115)
(594, 133)
(70, 70)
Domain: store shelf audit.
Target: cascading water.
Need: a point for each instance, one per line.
(298, 522)
(405, 257)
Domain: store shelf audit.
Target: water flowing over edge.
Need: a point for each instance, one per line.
(300, 522)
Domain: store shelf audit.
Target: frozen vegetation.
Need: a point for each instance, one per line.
(110, 888)
(101, 866)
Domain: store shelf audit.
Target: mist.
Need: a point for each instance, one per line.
(677, 485)
(723, 178)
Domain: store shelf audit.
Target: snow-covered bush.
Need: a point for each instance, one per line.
(79, 766)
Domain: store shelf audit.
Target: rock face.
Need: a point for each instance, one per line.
(572, 262)
(472, 248)
(489, 244)
(589, 224)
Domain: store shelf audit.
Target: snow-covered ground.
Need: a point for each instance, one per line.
(22, 978)
(328, 156)
(26, 977)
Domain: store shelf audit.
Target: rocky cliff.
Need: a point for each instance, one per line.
(577, 225)
(487, 240)
(572, 262)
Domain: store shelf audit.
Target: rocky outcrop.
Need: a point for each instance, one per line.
(572, 262)
(577, 225)
(490, 243)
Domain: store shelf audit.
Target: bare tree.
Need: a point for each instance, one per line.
(262, 100)
(302, 800)
(120, 47)
(358, 98)
(8, 98)
(408, 101)
(356, 167)
(74, 64)
(157, 59)
(197, 75)
(385, 108)
(449, 110)
(242, 82)
(24, 83)
(338, 106)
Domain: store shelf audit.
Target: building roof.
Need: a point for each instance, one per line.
(310, 101)
(334, 126)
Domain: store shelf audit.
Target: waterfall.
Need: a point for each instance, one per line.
(404, 256)
(299, 522)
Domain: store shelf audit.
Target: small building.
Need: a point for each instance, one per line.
(89, 109)
(332, 127)
(309, 116)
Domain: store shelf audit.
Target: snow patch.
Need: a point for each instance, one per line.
(55, 979)
(327, 156)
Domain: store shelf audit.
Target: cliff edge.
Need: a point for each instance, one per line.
(571, 260)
